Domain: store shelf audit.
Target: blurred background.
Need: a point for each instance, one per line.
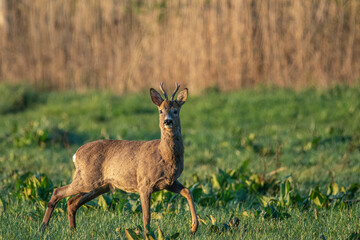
(130, 45)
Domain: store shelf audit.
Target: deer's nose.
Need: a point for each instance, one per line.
(168, 122)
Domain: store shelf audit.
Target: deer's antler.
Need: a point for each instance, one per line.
(163, 91)
(173, 95)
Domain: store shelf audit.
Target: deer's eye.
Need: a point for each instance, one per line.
(175, 112)
(160, 111)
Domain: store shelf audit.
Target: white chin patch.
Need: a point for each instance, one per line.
(74, 158)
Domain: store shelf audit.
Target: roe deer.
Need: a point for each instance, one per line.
(133, 166)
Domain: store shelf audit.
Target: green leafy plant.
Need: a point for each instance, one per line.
(15, 98)
(30, 134)
(33, 187)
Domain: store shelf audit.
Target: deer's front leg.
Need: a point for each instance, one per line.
(177, 187)
(145, 195)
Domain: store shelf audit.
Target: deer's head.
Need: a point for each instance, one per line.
(169, 110)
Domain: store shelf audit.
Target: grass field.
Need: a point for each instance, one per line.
(240, 149)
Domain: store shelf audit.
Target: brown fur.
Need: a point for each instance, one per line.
(133, 166)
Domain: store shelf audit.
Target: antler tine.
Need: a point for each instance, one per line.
(163, 91)
(173, 95)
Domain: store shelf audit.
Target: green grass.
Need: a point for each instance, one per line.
(315, 132)
(22, 223)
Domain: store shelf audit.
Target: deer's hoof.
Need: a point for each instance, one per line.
(43, 227)
(194, 229)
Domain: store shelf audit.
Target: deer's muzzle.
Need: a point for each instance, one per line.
(168, 123)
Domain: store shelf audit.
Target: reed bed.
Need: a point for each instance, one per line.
(129, 45)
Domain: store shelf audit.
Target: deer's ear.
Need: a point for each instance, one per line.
(156, 97)
(182, 96)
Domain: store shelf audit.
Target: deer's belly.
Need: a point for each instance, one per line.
(125, 183)
(128, 189)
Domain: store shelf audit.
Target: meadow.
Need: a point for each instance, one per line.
(262, 163)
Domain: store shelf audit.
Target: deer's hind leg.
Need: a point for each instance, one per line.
(71, 210)
(58, 194)
(77, 201)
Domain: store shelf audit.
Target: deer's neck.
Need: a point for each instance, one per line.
(171, 146)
